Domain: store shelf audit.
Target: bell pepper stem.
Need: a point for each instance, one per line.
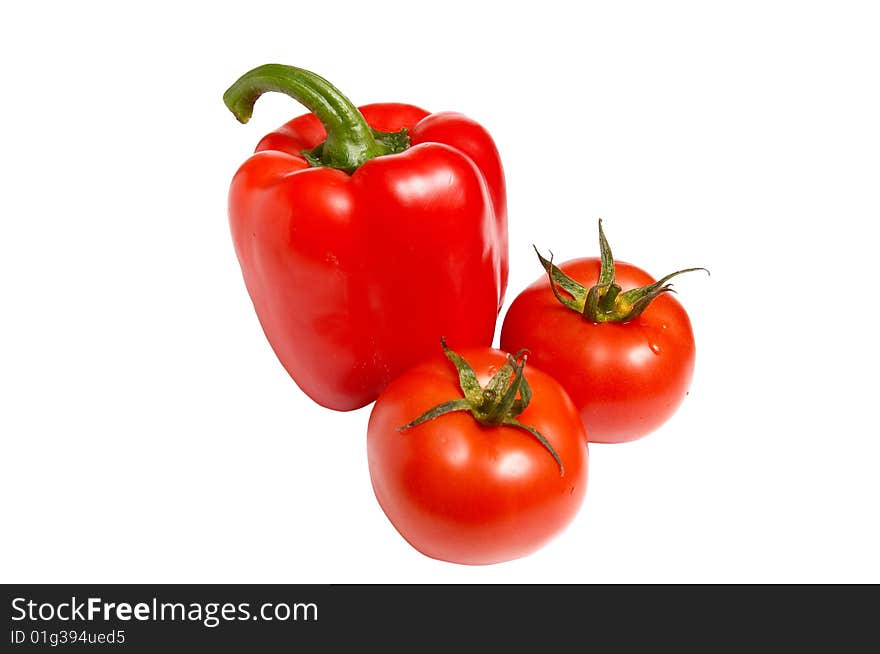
(350, 140)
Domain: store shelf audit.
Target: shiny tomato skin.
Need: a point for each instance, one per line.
(471, 494)
(626, 379)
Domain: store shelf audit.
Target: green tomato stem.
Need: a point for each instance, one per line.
(503, 398)
(605, 301)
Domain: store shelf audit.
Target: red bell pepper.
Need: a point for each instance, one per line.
(365, 234)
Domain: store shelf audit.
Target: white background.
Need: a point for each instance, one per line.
(149, 433)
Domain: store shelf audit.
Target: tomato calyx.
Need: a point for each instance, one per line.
(604, 301)
(504, 397)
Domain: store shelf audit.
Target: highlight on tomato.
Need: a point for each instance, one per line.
(618, 342)
(473, 460)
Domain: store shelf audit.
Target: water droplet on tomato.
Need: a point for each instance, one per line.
(655, 348)
(493, 370)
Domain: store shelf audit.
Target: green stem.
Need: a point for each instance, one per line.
(607, 301)
(503, 398)
(604, 301)
(350, 140)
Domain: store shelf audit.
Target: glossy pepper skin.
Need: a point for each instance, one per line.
(360, 244)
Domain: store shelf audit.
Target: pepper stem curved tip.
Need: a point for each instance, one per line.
(350, 142)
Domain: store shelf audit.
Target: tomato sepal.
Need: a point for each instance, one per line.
(505, 396)
(604, 301)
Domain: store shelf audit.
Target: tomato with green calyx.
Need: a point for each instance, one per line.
(623, 348)
(474, 463)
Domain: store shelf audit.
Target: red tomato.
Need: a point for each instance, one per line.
(626, 378)
(461, 491)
